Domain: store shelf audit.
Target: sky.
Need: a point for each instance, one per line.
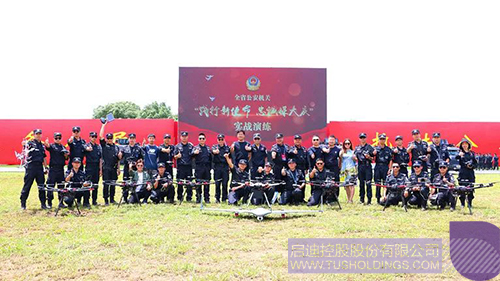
(385, 60)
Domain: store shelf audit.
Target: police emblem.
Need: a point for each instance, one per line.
(253, 83)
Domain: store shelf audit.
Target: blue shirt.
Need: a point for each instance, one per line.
(151, 153)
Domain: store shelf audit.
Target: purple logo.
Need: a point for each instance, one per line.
(475, 249)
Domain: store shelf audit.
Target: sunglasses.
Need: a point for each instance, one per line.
(395, 167)
(256, 138)
(320, 163)
(442, 167)
(58, 138)
(76, 131)
(315, 139)
(417, 166)
(201, 138)
(346, 143)
(221, 139)
(93, 137)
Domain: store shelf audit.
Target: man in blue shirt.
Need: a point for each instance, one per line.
(151, 154)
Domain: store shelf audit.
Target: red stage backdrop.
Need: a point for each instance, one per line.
(257, 100)
(484, 136)
(12, 132)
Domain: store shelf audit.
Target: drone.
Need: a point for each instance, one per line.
(189, 183)
(65, 189)
(130, 186)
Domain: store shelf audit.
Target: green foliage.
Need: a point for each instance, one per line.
(157, 110)
(121, 109)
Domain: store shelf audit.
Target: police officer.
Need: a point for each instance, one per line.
(184, 165)
(221, 167)
(203, 159)
(439, 152)
(258, 156)
(131, 154)
(151, 154)
(444, 180)
(111, 156)
(481, 161)
(93, 166)
(466, 175)
(419, 150)
(495, 162)
(278, 154)
(58, 156)
(490, 161)
(331, 157)
(35, 164)
(293, 192)
(393, 182)
(76, 146)
(166, 155)
(162, 187)
(241, 148)
(299, 154)
(266, 176)
(315, 151)
(418, 193)
(77, 177)
(364, 154)
(240, 183)
(383, 160)
(400, 155)
(318, 175)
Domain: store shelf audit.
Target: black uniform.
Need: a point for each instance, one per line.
(300, 157)
(444, 196)
(419, 197)
(279, 162)
(167, 158)
(291, 193)
(76, 149)
(258, 195)
(364, 171)
(317, 152)
(109, 169)
(203, 161)
(394, 191)
(495, 162)
(130, 155)
(77, 180)
(258, 159)
(34, 171)
(93, 167)
(331, 159)
(382, 161)
(316, 189)
(184, 168)
(158, 194)
(221, 171)
(489, 161)
(240, 152)
(56, 169)
(238, 176)
(402, 157)
(466, 174)
(438, 153)
(419, 152)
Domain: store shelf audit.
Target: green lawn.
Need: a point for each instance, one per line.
(166, 242)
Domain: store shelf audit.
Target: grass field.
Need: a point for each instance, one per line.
(170, 242)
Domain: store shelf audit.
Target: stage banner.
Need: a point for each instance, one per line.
(13, 132)
(483, 136)
(258, 100)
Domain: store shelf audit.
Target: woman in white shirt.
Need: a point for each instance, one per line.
(348, 170)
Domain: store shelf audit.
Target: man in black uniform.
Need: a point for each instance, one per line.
(293, 192)
(490, 161)
(111, 156)
(332, 161)
(278, 155)
(162, 187)
(265, 175)
(318, 175)
(418, 193)
(383, 160)
(131, 154)
(439, 152)
(401, 156)
(299, 154)
(240, 181)
(444, 180)
(167, 154)
(35, 164)
(203, 160)
(495, 162)
(58, 156)
(364, 154)
(221, 167)
(76, 146)
(258, 156)
(481, 161)
(184, 165)
(314, 152)
(393, 182)
(93, 166)
(419, 150)
(77, 177)
(241, 148)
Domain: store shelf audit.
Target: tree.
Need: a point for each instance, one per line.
(122, 109)
(157, 110)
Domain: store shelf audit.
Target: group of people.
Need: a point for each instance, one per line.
(287, 169)
(487, 161)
